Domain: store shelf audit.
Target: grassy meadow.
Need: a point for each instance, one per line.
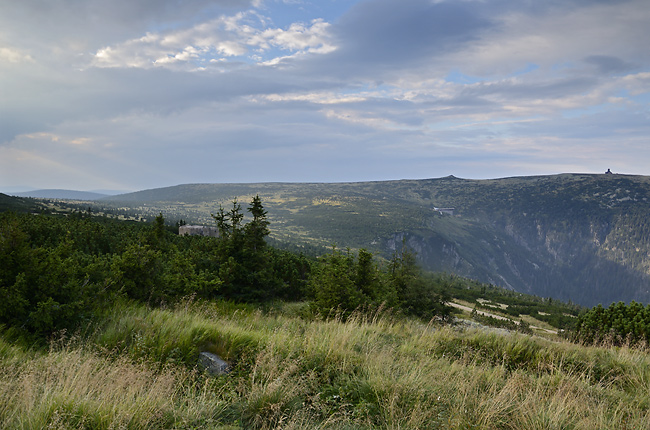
(135, 368)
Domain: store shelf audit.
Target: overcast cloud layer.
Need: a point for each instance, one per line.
(135, 94)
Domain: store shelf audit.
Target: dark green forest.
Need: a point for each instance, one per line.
(56, 271)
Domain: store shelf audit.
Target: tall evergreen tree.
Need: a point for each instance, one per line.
(244, 264)
(257, 230)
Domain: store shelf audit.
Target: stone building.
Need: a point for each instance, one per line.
(445, 211)
(198, 230)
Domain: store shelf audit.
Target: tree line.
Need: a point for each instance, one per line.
(57, 271)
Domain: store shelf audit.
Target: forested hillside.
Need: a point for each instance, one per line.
(573, 237)
(14, 204)
(57, 271)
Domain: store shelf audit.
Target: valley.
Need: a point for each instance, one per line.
(573, 237)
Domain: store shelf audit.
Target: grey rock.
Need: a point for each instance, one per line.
(213, 364)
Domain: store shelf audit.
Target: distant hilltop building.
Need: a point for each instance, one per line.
(198, 230)
(443, 211)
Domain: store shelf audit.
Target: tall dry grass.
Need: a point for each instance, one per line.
(136, 371)
(71, 387)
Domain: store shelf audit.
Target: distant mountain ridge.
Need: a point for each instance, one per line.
(62, 194)
(579, 237)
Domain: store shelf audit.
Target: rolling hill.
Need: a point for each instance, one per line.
(578, 237)
(16, 204)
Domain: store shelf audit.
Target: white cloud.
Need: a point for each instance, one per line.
(299, 37)
(11, 55)
(217, 39)
(325, 98)
(638, 83)
(374, 121)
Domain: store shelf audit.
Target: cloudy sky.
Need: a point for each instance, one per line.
(136, 94)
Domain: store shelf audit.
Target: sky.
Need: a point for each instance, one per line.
(138, 94)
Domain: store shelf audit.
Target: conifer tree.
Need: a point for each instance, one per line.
(242, 253)
(258, 229)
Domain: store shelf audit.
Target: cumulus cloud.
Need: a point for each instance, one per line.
(299, 37)
(244, 34)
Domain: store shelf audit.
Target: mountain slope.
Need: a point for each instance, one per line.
(574, 237)
(16, 204)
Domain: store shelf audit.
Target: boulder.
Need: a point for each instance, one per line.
(213, 364)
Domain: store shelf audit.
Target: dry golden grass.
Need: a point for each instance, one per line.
(291, 373)
(72, 387)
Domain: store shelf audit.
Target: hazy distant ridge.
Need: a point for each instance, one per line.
(62, 194)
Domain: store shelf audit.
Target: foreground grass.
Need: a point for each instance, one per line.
(136, 370)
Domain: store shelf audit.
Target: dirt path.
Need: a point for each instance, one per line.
(499, 317)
